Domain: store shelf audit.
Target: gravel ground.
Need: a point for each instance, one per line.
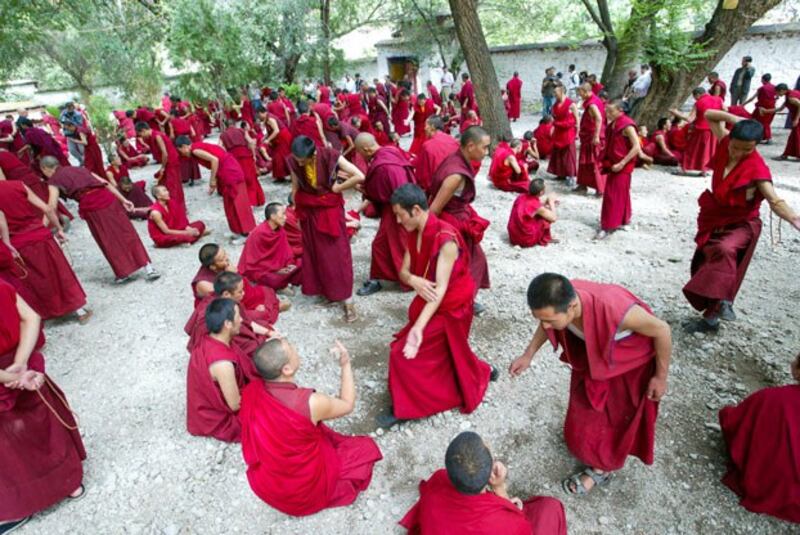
(125, 375)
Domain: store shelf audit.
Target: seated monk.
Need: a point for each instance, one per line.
(130, 154)
(134, 192)
(168, 225)
(293, 232)
(41, 446)
(657, 147)
(471, 496)
(267, 257)
(531, 216)
(544, 137)
(471, 119)
(432, 368)
(295, 462)
(619, 353)
(529, 155)
(762, 434)
(216, 374)
(116, 170)
(261, 302)
(505, 172)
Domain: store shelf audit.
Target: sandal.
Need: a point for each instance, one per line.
(350, 314)
(600, 480)
(79, 496)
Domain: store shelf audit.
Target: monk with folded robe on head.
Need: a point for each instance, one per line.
(452, 193)
(766, 98)
(619, 160)
(226, 177)
(260, 302)
(241, 145)
(135, 193)
(592, 136)
(165, 153)
(438, 146)
(267, 258)
(729, 225)
(104, 209)
(658, 146)
(217, 373)
(470, 495)
(505, 172)
(432, 368)
(792, 104)
(319, 176)
(308, 124)
(92, 155)
(388, 170)
(295, 462)
(420, 111)
(700, 144)
(41, 446)
(531, 217)
(563, 160)
(761, 434)
(168, 225)
(619, 353)
(543, 134)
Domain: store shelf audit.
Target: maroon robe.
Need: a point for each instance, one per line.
(609, 415)
(175, 219)
(235, 142)
(617, 210)
(280, 148)
(50, 286)
(92, 155)
(590, 173)
(140, 200)
(544, 139)
(459, 212)
(43, 144)
(503, 175)
(306, 125)
(563, 161)
(377, 114)
(172, 170)
(246, 341)
(793, 143)
(265, 253)
(525, 228)
(446, 373)
(431, 155)
(700, 144)
(255, 298)
(766, 98)
(514, 88)
(421, 115)
(42, 457)
(466, 97)
(400, 111)
(327, 258)
(106, 219)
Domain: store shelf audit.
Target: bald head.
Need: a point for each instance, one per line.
(366, 144)
(271, 357)
(49, 162)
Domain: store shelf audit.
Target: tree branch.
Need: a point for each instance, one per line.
(595, 17)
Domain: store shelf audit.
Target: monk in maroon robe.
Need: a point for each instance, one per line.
(700, 144)
(433, 93)
(92, 155)
(729, 224)
(267, 257)
(41, 446)
(319, 176)
(167, 225)
(718, 87)
(103, 208)
(49, 286)
(471, 496)
(293, 231)
(135, 193)
(543, 134)
(592, 136)
(378, 109)
(658, 145)
(619, 354)
(466, 97)
(514, 88)
(228, 178)
(40, 142)
(563, 161)
(437, 146)
(12, 168)
(279, 140)
(164, 152)
(432, 368)
(452, 193)
(420, 111)
(619, 161)
(766, 98)
(308, 124)
(531, 216)
(505, 171)
(295, 462)
(239, 144)
(761, 434)
(792, 104)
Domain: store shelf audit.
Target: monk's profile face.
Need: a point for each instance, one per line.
(221, 260)
(237, 294)
(185, 150)
(145, 134)
(550, 318)
(429, 130)
(409, 221)
(279, 217)
(162, 194)
(738, 149)
(583, 93)
(477, 151)
(126, 186)
(613, 113)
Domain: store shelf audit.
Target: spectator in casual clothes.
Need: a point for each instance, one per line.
(640, 88)
(548, 90)
(71, 115)
(447, 83)
(571, 82)
(740, 85)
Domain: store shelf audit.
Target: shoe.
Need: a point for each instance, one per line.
(370, 287)
(122, 280)
(151, 276)
(8, 527)
(478, 309)
(387, 420)
(494, 375)
(703, 325)
(83, 319)
(601, 235)
(726, 312)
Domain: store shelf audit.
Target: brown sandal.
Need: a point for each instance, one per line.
(350, 314)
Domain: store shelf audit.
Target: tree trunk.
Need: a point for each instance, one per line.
(670, 89)
(476, 51)
(325, 20)
(610, 44)
(290, 67)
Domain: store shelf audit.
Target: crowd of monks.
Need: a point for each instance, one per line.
(241, 371)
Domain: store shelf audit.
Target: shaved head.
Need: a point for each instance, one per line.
(366, 140)
(271, 357)
(49, 162)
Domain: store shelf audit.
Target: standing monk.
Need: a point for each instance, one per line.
(378, 109)
(168, 225)
(792, 102)
(514, 88)
(420, 111)
(466, 97)
(729, 225)
(452, 193)
(164, 152)
(241, 146)
(431, 365)
(700, 145)
(267, 258)
(308, 124)
(619, 160)
(438, 146)
(227, 177)
(563, 160)
(592, 135)
(319, 176)
(104, 209)
(92, 155)
(766, 99)
(718, 87)
(295, 462)
(619, 353)
(388, 170)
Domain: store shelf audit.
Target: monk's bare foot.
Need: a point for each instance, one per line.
(78, 493)
(284, 306)
(288, 291)
(582, 483)
(206, 232)
(83, 319)
(350, 314)
(601, 235)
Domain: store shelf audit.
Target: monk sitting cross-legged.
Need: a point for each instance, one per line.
(295, 462)
(267, 257)
(619, 353)
(168, 225)
(216, 375)
(471, 496)
(531, 217)
(431, 365)
(134, 192)
(505, 172)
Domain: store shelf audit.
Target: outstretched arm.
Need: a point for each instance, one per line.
(522, 363)
(323, 407)
(778, 205)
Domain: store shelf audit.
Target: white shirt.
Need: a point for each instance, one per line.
(572, 80)
(447, 80)
(350, 85)
(642, 85)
